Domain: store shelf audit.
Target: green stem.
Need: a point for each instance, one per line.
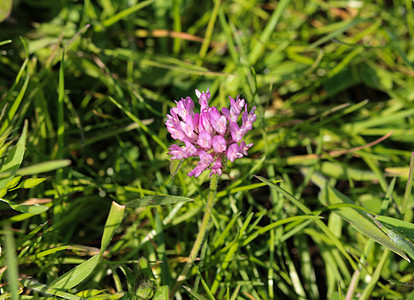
(200, 237)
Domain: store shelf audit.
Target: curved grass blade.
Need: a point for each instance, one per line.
(14, 159)
(112, 223)
(396, 236)
(5, 42)
(361, 221)
(11, 114)
(29, 209)
(85, 269)
(276, 224)
(401, 226)
(30, 183)
(42, 288)
(306, 210)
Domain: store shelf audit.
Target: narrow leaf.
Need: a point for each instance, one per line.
(10, 116)
(82, 271)
(42, 288)
(358, 219)
(194, 293)
(404, 227)
(125, 13)
(76, 275)
(12, 267)
(114, 220)
(156, 200)
(5, 9)
(30, 183)
(14, 159)
(5, 42)
(51, 251)
(35, 257)
(401, 242)
(276, 224)
(258, 49)
(29, 209)
(44, 167)
(306, 210)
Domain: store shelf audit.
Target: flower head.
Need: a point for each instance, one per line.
(210, 134)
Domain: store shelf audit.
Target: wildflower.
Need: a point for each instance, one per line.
(210, 134)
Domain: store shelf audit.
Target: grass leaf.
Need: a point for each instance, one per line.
(42, 288)
(84, 270)
(43, 167)
(126, 12)
(112, 223)
(156, 200)
(358, 219)
(5, 9)
(76, 275)
(11, 259)
(29, 209)
(14, 159)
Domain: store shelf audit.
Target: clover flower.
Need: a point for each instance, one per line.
(211, 135)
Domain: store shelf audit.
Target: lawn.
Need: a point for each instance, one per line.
(92, 205)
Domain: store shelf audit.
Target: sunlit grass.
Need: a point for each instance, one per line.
(320, 209)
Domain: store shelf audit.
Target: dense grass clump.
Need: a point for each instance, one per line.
(321, 208)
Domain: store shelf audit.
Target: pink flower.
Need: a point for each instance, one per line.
(219, 144)
(210, 135)
(234, 152)
(204, 140)
(217, 120)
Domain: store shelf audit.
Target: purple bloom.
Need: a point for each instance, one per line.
(219, 144)
(217, 120)
(204, 139)
(234, 152)
(210, 134)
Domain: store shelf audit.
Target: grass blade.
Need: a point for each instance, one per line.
(85, 269)
(43, 167)
(126, 12)
(12, 271)
(156, 200)
(258, 49)
(306, 210)
(14, 159)
(42, 288)
(11, 114)
(29, 209)
(76, 275)
(112, 223)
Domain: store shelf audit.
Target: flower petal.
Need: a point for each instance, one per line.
(233, 152)
(219, 144)
(204, 139)
(217, 120)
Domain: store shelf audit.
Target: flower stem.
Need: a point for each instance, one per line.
(200, 237)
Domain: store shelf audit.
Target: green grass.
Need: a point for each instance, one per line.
(320, 209)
